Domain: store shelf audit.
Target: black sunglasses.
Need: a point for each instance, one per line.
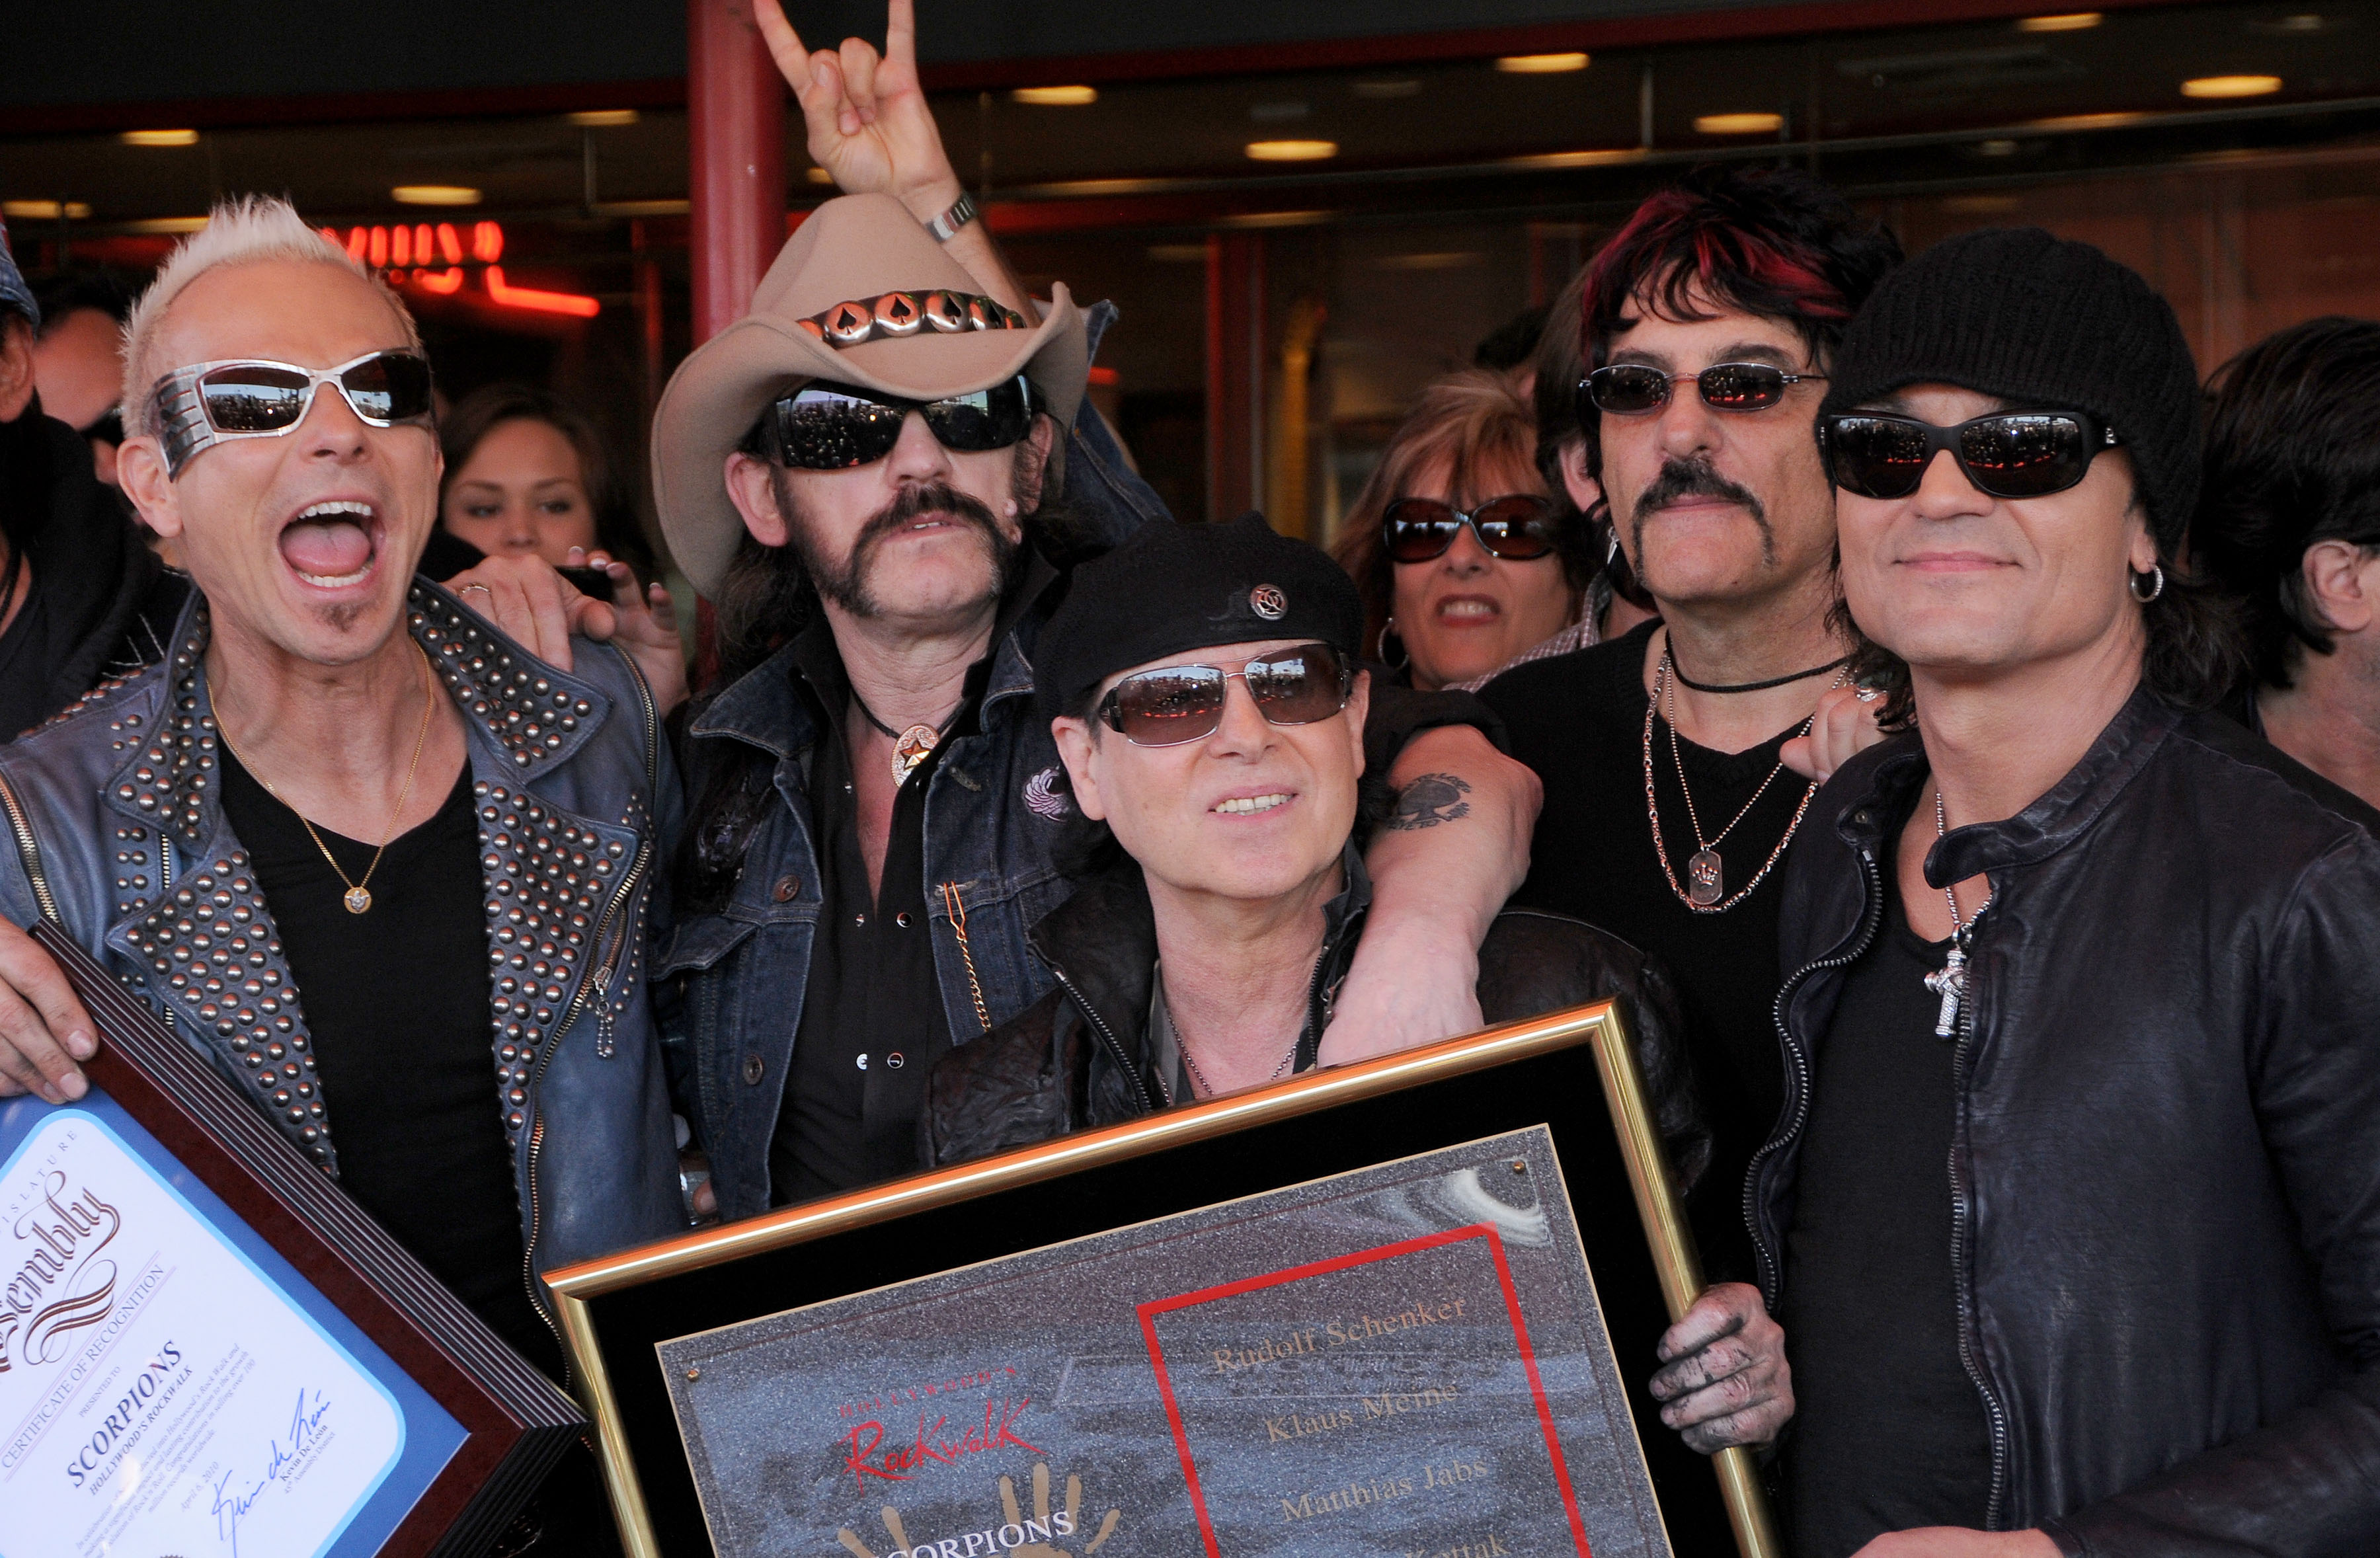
(1631, 389)
(1175, 704)
(1517, 528)
(834, 426)
(2006, 454)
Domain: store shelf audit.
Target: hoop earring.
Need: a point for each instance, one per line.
(1404, 658)
(2156, 574)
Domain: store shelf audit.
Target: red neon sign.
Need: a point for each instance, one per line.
(405, 257)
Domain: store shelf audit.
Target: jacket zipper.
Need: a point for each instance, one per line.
(1107, 1036)
(599, 979)
(1961, 1220)
(29, 849)
(1871, 921)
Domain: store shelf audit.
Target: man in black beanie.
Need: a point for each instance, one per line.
(2074, 1221)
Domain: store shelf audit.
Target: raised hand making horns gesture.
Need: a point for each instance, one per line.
(869, 127)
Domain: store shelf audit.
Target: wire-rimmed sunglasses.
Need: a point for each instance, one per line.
(1518, 528)
(1175, 704)
(210, 403)
(1632, 388)
(823, 427)
(2005, 454)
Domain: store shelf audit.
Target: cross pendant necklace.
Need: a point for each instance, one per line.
(1951, 984)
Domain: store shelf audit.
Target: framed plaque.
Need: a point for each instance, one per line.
(205, 1348)
(1402, 1307)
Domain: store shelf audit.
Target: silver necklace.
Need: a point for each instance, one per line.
(1207, 1089)
(1706, 872)
(1950, 983)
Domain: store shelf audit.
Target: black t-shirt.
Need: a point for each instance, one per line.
(396, 999)
(1578, 720)
(24, 676)
(872, 1021)
(1889, 1431)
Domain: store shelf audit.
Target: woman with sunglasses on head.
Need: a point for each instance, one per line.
(1464, 559)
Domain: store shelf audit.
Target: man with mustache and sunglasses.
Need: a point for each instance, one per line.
(2072, 1216)
(388, 873)
(1667, 754)
(850, 474)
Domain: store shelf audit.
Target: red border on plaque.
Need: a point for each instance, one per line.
(1155, 1307)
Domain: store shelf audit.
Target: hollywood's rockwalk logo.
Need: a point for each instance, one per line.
(61, 1284)
(1016, 1534)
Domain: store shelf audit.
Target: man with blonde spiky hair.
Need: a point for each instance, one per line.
(389, 873)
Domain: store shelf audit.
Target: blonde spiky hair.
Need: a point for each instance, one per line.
(245, 230)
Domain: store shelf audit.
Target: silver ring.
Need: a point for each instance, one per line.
(1866, 695)
(482, 589)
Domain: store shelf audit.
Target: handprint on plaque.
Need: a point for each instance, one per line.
(1032, 1534)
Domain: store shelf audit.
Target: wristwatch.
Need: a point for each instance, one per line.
(945, 226)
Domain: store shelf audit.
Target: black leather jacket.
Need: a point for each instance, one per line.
(1079, 1057)
(2165, 1162)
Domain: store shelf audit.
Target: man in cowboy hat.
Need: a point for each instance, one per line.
(858, 474)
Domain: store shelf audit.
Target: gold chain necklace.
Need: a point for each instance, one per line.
(1705, 873)
(359, 896)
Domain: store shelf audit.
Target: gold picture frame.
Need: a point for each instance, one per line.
(1600, 1025)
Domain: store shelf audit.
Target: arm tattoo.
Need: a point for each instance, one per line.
(1429, 801)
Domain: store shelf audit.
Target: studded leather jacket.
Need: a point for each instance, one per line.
(2165, 1162)
(120, 838)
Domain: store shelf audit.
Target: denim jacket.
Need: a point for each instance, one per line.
(120, 838)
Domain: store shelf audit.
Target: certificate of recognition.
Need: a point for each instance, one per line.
(168, 1382)
(1406, 1358)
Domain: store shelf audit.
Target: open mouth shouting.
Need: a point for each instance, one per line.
(1251, 806)
(334, 544)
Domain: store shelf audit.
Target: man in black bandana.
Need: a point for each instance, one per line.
(81, 596)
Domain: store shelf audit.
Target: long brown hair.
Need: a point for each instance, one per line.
(1475, 423)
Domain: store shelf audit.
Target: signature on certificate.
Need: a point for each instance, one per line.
(233, 1505)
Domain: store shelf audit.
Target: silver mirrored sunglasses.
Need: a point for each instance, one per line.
(210, 403)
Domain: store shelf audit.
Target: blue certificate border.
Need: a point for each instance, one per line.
(428, 1435)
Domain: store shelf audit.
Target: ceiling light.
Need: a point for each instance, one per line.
(1739, 123)
(1540, 64)
(2230, 85)
(435, 195)
(159, 138)
(1602, 158)
(166, 225)
(2065, 21)
(44, 211)
(1056, 97)
(1996, 148)
(603, 118)
(1291, 151)
(2087, 121)
(2299, 22)
(1383, 90)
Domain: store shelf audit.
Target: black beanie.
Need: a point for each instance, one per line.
(2039, 321)
(1171, 588)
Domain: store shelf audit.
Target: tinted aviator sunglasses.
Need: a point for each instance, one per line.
(1175, 704)
(210, 403)
(836, 427)
(1631, 389)
(2006, 454)
(1517, 528)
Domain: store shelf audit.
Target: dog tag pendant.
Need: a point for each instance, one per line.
(1706, 880)
(1951, 985)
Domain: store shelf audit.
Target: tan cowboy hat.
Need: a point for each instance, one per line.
(861, 294)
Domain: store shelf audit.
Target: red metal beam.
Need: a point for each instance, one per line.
(735, 149)
(1236, 374)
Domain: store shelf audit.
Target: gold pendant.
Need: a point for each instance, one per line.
(909, 749)
(357, 900)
